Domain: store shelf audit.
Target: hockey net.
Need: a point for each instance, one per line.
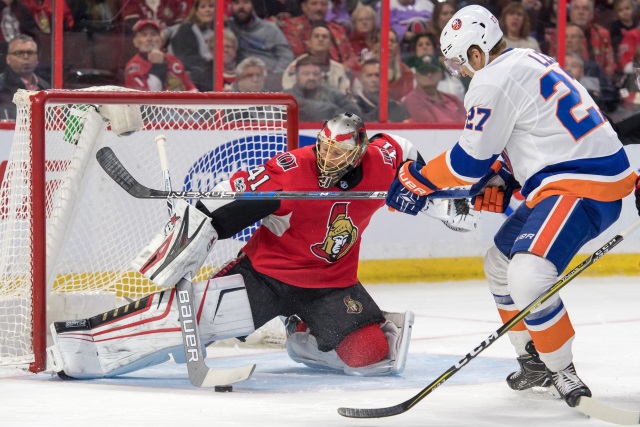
(68, 233)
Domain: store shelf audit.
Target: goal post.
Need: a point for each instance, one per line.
(68, 233)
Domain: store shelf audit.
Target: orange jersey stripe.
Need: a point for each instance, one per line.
(596, 190)
(554, 337)
(507, 315)
(547, 234)
(437, 171)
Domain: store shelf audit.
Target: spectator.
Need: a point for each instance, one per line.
(250, 75)
(333, 73)
(270, 8)
(426, 103)
(365, 32)
(190, 44)
(340, 12)
(533, 9)
(314, 99)
(546, 25)
(229, 58)
(424, 44)
(400, 75)
(625, 20)
(368, 97)
(165, 13)
(597, 44)
(151, 69)
(629, 61)
(574, 64)
(16, 19)
(607, 95)
(22, 60)
(442, 13)
(297, 30)
(516, 27)
(405, 12)
(229, 49)
(258, 38)
(42, 11)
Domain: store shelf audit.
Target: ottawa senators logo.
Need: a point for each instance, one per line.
(341, 236)
(353, 306)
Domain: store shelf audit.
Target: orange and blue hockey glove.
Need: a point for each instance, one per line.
(494, 190)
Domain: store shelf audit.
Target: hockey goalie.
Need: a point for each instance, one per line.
(301, 264)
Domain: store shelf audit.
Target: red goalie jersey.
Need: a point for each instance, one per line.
(316, 243)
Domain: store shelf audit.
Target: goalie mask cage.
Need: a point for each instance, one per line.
(68, 233)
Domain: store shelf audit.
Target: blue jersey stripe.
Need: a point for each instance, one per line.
(465, 165)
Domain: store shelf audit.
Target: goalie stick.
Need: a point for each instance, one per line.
(200, 374)
(588, 406)
(116, 170)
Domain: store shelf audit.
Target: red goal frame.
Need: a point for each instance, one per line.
(38, 196)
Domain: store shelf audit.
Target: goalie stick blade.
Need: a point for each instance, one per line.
(214, 377)
(108, 160)
(596, 409)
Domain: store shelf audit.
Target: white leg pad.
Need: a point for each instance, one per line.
(99, 347)
(303, 348)
(179, 249)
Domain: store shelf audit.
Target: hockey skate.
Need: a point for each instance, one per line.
(532, 373)
(569, 385)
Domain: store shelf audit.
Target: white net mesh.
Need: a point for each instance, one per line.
(93, 228)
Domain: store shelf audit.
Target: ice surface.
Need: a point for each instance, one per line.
(451, 319)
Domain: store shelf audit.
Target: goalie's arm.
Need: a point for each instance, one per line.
(234, 217)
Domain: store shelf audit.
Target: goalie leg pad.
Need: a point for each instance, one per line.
(145, 332)
(303, 348)
(179, 249)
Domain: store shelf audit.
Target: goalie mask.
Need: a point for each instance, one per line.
(340, 145)
(470, 26)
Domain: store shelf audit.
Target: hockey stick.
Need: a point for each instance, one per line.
(200, 374)
(116, 170)
(584, 402)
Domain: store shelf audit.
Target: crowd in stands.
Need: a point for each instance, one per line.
(326, 53)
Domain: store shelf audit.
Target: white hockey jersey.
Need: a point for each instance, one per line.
(547, 127)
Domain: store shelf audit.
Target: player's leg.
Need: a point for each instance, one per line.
(553, 233)
(347, 331)
(145, 332)
(532, 372)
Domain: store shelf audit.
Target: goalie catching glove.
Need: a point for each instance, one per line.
(457, 214)
(494, 190)
(179, 249)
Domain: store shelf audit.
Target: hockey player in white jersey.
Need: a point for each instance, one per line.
(529, 125)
